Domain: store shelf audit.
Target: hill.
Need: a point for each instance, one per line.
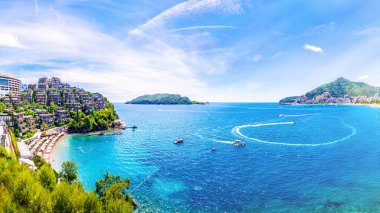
(164, 99)
(339, 91)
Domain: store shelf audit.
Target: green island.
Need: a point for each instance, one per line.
(340, 91)
(164, 99)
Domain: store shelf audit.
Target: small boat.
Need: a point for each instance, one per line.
(178, 141)
(294, 122)
(281, 115)
(238, 143)
(101, 134)
(213, 149)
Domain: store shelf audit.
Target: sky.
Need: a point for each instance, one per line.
(208, 50)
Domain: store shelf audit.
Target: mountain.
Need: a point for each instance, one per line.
(163, 98)
(339, 91)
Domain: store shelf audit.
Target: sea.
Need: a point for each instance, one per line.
(306, 158)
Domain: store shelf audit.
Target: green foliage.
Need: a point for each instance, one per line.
(163, 98)
(29, 134)
(69, 172)
(39, 161)
(14, 143)
(92, 120)
(2, 106)
(47, 177)
(343, 87)
(44, 126)
(52, 107)
(112, 190)
(25, 190)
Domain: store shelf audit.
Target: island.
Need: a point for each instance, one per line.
(164, 99)
(340, 91)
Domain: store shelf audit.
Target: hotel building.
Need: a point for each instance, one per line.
(9, 84)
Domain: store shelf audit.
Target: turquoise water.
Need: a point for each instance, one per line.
(327, 161)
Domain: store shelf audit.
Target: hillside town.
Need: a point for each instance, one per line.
(34, 117)
(327, 98)
(42, 105)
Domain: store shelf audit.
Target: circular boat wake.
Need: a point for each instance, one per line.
(236, 131)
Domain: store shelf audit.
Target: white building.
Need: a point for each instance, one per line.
(9, 84)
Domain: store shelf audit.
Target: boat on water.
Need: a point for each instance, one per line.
(238, 143)
(213, 149)
(178, 141)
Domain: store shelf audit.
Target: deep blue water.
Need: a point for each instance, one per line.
(328, 161)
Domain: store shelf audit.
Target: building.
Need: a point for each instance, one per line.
(7, 118)
(16, 100)
(98, 100)
(41, 97)
(62, 116)
(43, 83)
(56, 83)
(27, 95)
(55, 97)
(66, 86)
(30, 122)
(48, 119)
(9, 84)
(32, 87)
(7, 102)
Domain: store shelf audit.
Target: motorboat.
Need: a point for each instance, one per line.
(213, 149)
(238, 143)
(178, 141)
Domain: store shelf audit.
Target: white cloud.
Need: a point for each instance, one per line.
(367, 31)
(187, 8)
(119, 68)
(200, 28)
(7, 39)
(257, 58)
(363, 77)
(313, 48)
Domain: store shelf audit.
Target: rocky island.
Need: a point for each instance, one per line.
(163, 99)
(340, 91)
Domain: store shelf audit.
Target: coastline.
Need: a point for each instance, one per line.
(332, 104)
(64, 136)
(112, 131)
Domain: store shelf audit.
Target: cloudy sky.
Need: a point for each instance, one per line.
(209, 50)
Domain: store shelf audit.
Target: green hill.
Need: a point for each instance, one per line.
(339, 88)
(163, 98)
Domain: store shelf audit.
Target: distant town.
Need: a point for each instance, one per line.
(326, 98)
(340, 91)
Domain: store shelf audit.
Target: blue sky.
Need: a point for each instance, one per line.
(210, 50)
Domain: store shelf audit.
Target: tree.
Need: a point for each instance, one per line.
(69, 171)
(47, 177)
(52, 107)
(2, 106)
(112, 187)
(44, 126)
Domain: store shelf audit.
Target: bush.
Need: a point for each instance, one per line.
(25, 190)
(14, 143)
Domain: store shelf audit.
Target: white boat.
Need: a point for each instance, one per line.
(238, 143)
(177, 141)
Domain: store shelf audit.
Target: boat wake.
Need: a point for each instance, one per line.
(300, 115)
(222, 141)
(236, 130)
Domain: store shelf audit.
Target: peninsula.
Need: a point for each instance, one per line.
(340, 91)
(164, 99)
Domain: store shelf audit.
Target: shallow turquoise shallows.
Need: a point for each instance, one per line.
(296, 158)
